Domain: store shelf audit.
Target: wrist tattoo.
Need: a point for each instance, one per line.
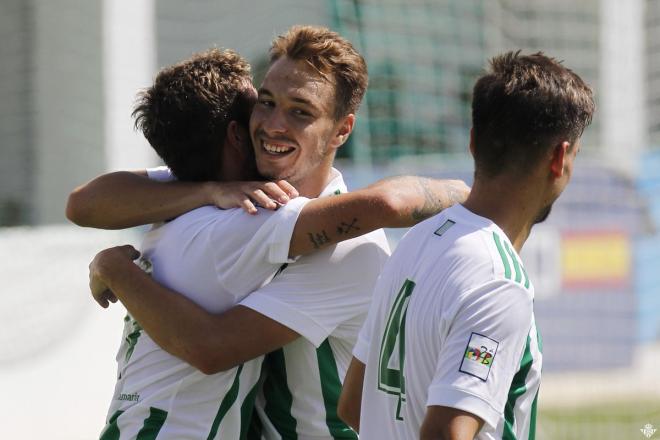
(345, 228)
(318, 239)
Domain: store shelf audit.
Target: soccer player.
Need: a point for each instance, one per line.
(450, 349)
(215, 258)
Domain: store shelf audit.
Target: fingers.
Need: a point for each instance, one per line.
(287, 188)
(275, 192)
(249, 195)
(266, 200)
(105, 298)
(247, 206)
(269, 194)
(129, 251)
(102, 302)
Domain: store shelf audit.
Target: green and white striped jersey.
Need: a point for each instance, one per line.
(324, 297)
(452, 325)
(216, 258)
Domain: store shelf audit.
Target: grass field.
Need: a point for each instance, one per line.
(609, 421)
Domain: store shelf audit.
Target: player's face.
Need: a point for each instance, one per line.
(294, 133)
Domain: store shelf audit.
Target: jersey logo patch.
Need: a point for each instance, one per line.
(479, 356)
(444, 228)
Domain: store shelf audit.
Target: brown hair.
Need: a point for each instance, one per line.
(523, 106)
(332, 56)
(184, 115)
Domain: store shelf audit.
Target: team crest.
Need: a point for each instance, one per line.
(479, 356)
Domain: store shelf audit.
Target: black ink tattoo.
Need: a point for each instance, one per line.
(454, 194)
(318, 239)
(345, 228)
(431, 204)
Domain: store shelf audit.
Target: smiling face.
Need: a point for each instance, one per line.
(293, 129)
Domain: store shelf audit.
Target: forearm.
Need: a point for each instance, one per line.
(174, 322)
(125, 199)
(414, 199)
(396, 202)
(350, 399)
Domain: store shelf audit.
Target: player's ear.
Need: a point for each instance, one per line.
(344, 130)
(237, 135)
(558, 159)
(472, 141)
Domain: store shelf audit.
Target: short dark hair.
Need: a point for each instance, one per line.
(184, 115)
(331, 55)
(523, 106)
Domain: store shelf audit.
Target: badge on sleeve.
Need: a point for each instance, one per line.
(479, 356)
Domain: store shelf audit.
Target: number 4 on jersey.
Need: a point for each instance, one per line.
(392, 348)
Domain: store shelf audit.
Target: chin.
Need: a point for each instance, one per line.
(543, 215)
(273, 174)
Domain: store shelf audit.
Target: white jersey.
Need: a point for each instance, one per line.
(324, 297)
(451, 325)
(215, 258)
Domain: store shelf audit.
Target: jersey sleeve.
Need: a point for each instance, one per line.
(259, 243)
(323, 290)
(160, 174)
(484, 337)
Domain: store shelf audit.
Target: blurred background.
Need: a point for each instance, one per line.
(68, 77)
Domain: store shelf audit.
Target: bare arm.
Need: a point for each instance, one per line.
(350, 400)
(389, 203)
(443, 423)
(125, 199)
(177, 324)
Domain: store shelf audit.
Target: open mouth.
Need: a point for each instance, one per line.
(277, 149)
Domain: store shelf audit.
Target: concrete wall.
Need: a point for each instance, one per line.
(67, 96)
(15, 112)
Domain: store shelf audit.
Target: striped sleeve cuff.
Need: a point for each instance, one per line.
(361, 350)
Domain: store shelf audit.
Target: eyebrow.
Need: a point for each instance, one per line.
(300, 100)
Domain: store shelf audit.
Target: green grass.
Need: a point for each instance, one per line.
(607, 421)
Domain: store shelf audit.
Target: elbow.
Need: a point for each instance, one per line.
(393, 207)
(76, 210)
(210, 368)
(205, 362)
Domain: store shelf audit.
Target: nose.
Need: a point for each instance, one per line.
(274, 122)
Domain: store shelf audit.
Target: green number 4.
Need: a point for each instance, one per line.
(391, 359)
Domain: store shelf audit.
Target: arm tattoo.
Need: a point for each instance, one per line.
(318, 239)
(431, 204)
(345, 228)
(454, 195)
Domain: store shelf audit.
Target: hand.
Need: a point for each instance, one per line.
(101, 265)
(246, 195)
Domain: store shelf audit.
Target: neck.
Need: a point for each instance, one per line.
(313, 184)
(512, 204)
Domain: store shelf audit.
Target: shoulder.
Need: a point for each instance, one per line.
(370, 251)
